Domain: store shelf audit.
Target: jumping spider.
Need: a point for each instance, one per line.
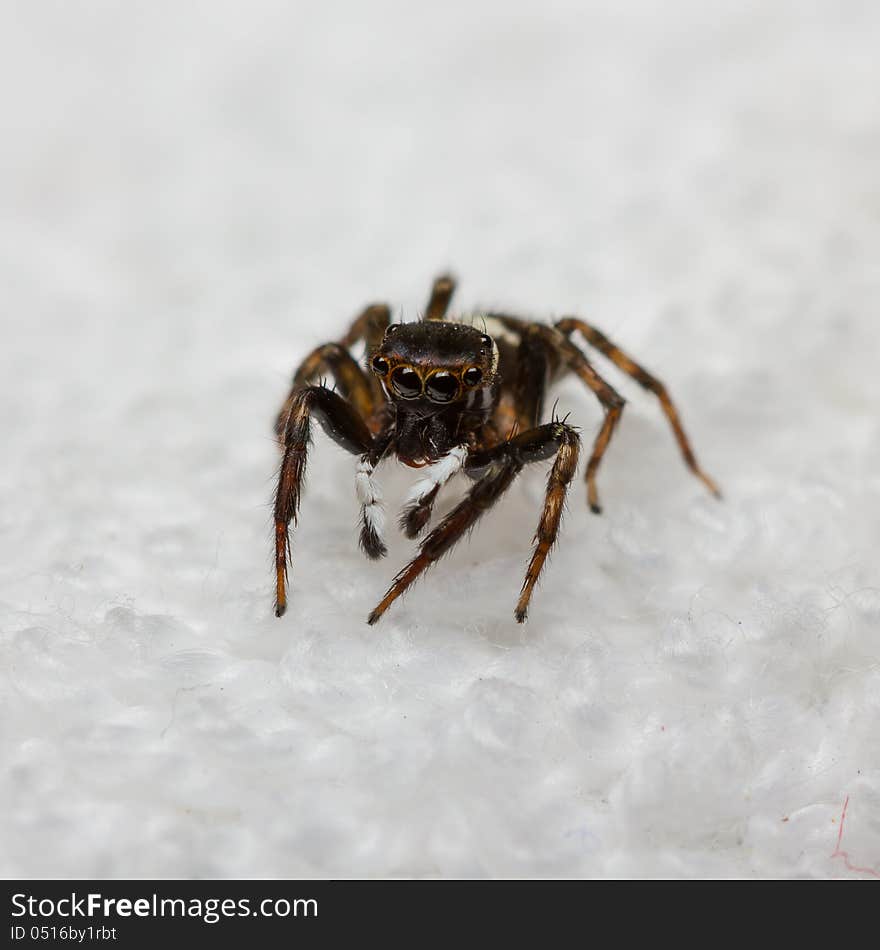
(447, 396)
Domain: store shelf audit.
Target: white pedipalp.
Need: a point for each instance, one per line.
(436, 476)
(370, 497)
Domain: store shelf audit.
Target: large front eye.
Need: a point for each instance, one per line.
(442, 387)
(406, 383)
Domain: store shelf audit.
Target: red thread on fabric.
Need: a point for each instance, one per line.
(838, 853)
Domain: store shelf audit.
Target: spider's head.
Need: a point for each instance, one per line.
(436, 363)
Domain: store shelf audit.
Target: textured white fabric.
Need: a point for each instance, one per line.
(194, 195)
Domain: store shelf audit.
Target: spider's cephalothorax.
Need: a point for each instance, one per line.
(441, 378)
(447, 396)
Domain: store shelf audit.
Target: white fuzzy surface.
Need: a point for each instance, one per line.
(194, 194)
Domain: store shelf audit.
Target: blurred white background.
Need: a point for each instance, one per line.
(196, 193)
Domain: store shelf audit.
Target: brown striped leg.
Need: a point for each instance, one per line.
(333, 359)
(369, 325)
(532, 374)
(613, 403)
(479, 499)
(601, 342)
(497, 468)
(563, 349)
(536, 359)
(441, 294)
(342, 423)
(537, 445)
(560, 477)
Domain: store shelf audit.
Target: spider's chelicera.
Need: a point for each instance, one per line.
(448, 395)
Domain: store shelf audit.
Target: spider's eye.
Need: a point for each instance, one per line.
(380, 365)
(472, 376)
(486, 340)
(406, 383)
(442, 387)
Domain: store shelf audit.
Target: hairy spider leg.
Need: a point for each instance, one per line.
(577, 362)
(496, 468)
(441, 294)
(341, 421)
(370, 325)
(352, 382)
(333, 359)
(538, 445)
(563, 471)
(533, 367)
(629, 366)
(481, 497)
